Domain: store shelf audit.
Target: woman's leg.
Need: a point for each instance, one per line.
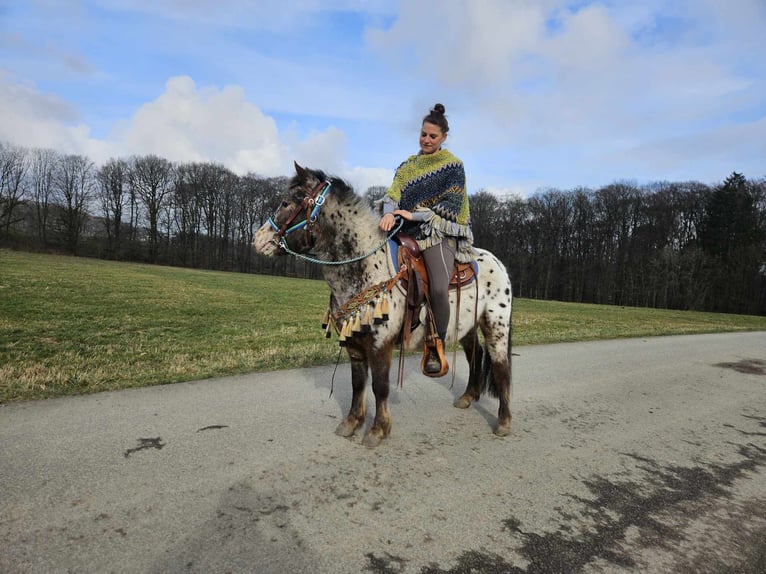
(440, 260)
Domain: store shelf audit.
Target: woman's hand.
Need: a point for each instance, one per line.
(387, 222)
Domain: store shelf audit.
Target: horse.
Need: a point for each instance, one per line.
(324, 216)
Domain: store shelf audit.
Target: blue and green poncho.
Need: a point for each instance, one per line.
(432, 186)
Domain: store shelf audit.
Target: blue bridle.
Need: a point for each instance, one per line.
(311, 204)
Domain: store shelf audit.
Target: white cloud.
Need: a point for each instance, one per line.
(322, 150)
(31, 118)
(189, 124)
(185, 123)
(327, 151)
(717, 152)
(362, 178)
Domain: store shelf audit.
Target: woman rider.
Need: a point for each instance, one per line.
(429, 193)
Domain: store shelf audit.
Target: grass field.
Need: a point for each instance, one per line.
(71, 325)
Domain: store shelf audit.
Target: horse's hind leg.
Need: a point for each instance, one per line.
(497, 345)
(358, 410)
(380, 365)
(473, 354)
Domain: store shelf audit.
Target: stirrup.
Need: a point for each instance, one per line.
(436, 347)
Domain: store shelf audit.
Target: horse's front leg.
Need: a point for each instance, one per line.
(474, 354)
(358, 410)
(380, 364)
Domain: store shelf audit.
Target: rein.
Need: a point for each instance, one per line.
(311, 204)
(283, 244)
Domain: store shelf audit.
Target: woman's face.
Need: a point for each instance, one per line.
(431, 138)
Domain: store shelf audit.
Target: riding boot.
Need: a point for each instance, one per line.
(434, 363)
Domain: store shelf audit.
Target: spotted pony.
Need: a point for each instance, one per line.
(323, 215)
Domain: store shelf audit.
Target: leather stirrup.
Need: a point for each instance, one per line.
(436, 346)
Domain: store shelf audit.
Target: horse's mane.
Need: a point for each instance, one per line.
(340, 189)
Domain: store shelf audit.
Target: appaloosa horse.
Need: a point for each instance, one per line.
(325, 216)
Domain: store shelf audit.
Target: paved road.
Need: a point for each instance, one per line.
(645, 455)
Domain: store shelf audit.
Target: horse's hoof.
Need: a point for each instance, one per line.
(373, 437)
(503, 430)
(346, 428)
(463, 402)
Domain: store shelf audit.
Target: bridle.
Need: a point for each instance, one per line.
(311, 204)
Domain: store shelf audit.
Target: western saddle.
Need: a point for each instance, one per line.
(415, 283)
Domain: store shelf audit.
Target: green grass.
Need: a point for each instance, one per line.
(72, 326)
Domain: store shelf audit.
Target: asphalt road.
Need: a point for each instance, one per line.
(642, 455)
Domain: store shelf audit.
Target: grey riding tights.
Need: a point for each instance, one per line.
(439, 261)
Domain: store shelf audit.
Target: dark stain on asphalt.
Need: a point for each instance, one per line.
(389, 564)
(249, 531)
(615, 507)
(146, 443)
(213, 427)
(762, 424)
(747, 366)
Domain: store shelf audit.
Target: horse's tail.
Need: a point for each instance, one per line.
(488, 382)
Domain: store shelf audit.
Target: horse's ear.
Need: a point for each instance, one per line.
(306, 177)
(303, 175)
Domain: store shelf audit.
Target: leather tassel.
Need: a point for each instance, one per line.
(367, 319)
(377, 314)
(384, 309)
(342, 335)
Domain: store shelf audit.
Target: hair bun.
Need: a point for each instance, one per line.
(439, 109)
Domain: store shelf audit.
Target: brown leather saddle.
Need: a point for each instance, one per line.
(409, 254)
(415, 284)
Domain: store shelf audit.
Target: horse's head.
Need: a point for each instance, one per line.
(293, 222)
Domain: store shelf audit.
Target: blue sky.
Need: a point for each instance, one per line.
(539, 93)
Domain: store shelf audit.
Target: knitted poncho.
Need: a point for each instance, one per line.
(436, 182)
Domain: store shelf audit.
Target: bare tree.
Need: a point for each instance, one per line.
(112, 194)
(511, 244)
(151, 179)
(14, 163)
(41, 171)
(221, 190)
(73, 185)
(186, 199)
(550, 241)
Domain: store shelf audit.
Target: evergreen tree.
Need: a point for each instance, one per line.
(732, 240)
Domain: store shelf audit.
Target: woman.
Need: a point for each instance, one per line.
(429, 193)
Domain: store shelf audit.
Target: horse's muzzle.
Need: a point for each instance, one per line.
(265, 241)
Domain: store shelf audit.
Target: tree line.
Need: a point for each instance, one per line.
(668, 245)
(143, 208)
(675, 245)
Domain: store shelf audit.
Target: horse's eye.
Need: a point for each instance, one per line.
(284, 204)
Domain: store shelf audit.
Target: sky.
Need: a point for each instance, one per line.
(539, 94)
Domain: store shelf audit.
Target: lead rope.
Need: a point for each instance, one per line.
(335, 370)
